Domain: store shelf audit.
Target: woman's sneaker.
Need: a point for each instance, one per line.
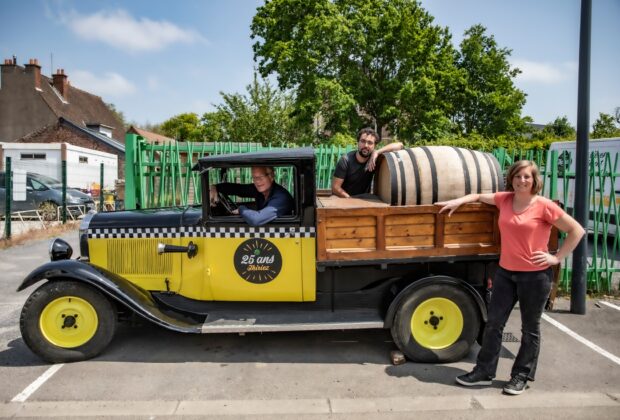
(474, 378)
(516, 385)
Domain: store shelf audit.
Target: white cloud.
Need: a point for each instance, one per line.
(546, 73)
(121, 30)
(109, 84)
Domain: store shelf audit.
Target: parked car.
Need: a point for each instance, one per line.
(45, 194)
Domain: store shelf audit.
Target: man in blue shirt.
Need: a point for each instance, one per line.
(272, 200)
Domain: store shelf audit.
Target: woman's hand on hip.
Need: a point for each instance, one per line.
(544, 258)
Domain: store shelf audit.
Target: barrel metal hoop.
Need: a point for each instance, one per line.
(416, 174)
(403, 182)
(479, 181)
(498, 171)
(393, 180)
(465, 170)
(431, 162)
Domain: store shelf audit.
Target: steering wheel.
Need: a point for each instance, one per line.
(228, 204)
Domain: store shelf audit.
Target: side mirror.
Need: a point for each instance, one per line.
(29, 188)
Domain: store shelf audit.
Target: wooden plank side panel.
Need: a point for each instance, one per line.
(480, 216)
(410, 241)
(469, 238)
(350, 221)
(405, 232)
(409, 219)
(350, 232)
(361, 243)
(474, 227)
(410, 230)
(353, 254)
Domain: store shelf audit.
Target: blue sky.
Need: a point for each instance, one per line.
(155, 59)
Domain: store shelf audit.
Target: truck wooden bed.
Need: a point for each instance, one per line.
(369, 229)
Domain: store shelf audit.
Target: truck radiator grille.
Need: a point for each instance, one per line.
(138, 256)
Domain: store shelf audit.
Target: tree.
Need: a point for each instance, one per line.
(560, 128)
(376, 62)
(118, 114)
(264, 115)
(604, 127)
(487, 102)
(183, 127)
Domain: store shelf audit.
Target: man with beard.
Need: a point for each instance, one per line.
(355, 170)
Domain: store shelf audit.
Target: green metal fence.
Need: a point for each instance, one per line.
(161, 175)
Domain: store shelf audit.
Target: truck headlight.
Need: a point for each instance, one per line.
(60, 250)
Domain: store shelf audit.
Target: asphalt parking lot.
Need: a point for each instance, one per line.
(148, 372)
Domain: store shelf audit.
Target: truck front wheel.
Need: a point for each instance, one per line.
(67, 321)
(436, 323)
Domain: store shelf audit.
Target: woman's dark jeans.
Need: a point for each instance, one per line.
(531, 289)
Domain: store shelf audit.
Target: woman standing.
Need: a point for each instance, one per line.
(524, 273)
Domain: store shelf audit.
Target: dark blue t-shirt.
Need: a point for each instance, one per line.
(356, 178)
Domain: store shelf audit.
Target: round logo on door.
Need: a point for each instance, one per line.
(258, 261)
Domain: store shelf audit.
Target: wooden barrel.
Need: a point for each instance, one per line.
(427, 174)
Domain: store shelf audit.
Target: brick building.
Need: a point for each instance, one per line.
(38, 109)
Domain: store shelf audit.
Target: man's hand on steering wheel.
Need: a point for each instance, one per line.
(228, 204)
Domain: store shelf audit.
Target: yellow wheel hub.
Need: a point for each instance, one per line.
(436, 323)
(68, 322)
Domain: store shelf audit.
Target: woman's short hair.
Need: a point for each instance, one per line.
(516, 167)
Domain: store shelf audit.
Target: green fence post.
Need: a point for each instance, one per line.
(130, 174)
(8, 184)
(553, 166)
(64, 191)
(101, 207)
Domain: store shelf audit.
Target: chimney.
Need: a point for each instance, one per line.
(61, 83)
(34, 68)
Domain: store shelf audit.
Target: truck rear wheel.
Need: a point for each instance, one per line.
(67, 321)
(436, 323)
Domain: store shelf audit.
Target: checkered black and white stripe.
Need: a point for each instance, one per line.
(202, 232)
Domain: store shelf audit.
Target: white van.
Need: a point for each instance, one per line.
(606, 155)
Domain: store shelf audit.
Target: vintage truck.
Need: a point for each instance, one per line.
(333, 264)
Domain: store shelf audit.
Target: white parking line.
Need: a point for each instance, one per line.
(611, 305)
(30, 389)
(579, 338)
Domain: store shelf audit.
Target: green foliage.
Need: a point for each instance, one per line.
(358, 62)
(343, 140)
(263, 115)
(604, 127)
(476, 141)
(119, 114)
(487, 102)
(183, 127)
(559, 129)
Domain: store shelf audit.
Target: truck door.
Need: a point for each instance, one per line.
(254, 263)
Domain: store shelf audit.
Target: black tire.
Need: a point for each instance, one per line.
(441, 337)
(46, 309)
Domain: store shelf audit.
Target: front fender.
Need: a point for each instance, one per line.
(116, 287)
(451, 281)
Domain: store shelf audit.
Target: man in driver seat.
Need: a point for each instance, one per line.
(272, 200)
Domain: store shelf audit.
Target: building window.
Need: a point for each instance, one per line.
(83, 159)
(33, 156)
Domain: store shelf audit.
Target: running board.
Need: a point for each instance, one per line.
(220, 322)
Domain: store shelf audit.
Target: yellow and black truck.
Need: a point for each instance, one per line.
(334, 264)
